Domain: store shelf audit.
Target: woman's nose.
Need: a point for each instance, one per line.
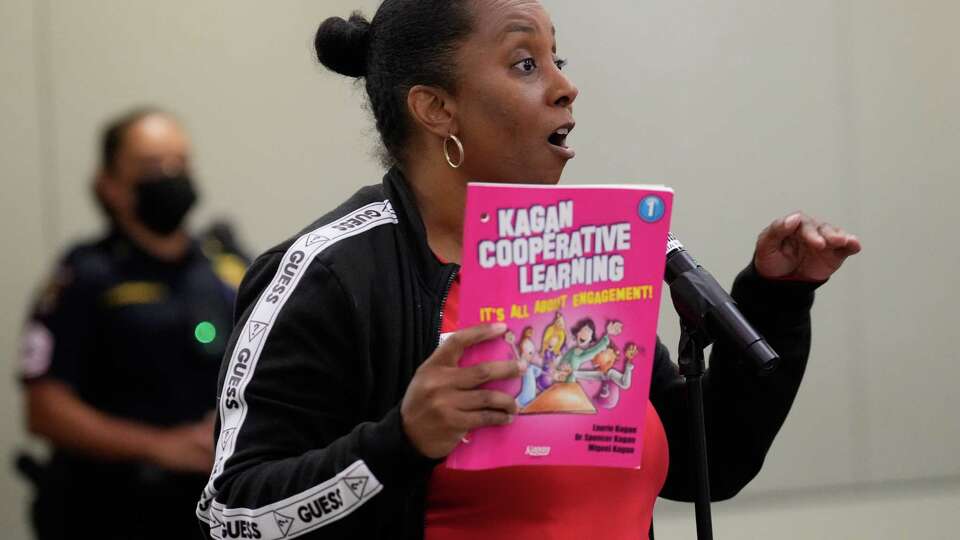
(565, 92)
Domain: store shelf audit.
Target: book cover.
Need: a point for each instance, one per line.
(576, 274)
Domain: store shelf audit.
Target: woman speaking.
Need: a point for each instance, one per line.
(337, 402)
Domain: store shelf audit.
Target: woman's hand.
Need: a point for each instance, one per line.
(799, 247)
(614, 328)
(442, 403)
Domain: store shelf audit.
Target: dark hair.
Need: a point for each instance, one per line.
(584, 323)
(409, 42)
(114, 131)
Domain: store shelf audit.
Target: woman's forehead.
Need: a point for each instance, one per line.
(499, 18)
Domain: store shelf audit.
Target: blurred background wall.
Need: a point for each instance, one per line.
(750, 109)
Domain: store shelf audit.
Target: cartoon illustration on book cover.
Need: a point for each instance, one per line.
(575, 273)
(575, 376)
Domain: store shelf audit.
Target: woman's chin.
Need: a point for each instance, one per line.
(548, 177)
(539, 174)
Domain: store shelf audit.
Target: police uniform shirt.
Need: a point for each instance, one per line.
(135, 337)
(139, 339)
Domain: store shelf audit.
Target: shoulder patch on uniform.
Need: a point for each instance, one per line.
(36, 350)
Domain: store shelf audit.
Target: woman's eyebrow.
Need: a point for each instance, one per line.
(522, 27)
(517, 27)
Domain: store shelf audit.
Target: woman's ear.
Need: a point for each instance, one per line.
(434, 109)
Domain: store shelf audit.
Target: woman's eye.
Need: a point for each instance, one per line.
(561, 63)
(527, 65)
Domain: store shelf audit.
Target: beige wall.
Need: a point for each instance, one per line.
(749, 108)
(26, 225)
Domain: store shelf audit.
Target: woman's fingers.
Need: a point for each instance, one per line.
(810, 232)
(471, 377)
(844, 243)
(779, 230)
(853, 245)
(449, 352)
(442, 402)
(801, 247)
(468, 421)
(476, 400)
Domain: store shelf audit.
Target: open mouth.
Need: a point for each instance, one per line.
(559, 137)
(558, 141)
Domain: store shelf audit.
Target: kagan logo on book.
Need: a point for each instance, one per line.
(537, 451)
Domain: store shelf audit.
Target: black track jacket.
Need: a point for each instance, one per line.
(331, 327)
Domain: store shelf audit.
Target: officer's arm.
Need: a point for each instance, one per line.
(57, 414)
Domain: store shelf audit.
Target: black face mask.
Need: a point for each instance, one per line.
(163, 202)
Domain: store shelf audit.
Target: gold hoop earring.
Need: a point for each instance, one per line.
(446, 151)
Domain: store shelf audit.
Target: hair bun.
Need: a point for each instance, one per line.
(342, 44)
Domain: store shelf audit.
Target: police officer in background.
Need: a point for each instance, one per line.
(121, 352)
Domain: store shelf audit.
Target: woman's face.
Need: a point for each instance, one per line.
(584, 337)
(513, 101)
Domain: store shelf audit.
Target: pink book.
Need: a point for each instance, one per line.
(575, 272)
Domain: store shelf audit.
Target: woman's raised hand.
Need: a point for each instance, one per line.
(802, 248)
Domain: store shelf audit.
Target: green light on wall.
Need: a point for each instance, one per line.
(205, 332)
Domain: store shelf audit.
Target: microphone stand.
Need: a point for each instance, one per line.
(692, 367)
(706, 313)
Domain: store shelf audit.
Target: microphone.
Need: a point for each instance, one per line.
(704, 306)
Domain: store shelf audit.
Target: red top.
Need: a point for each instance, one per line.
(546, 502)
